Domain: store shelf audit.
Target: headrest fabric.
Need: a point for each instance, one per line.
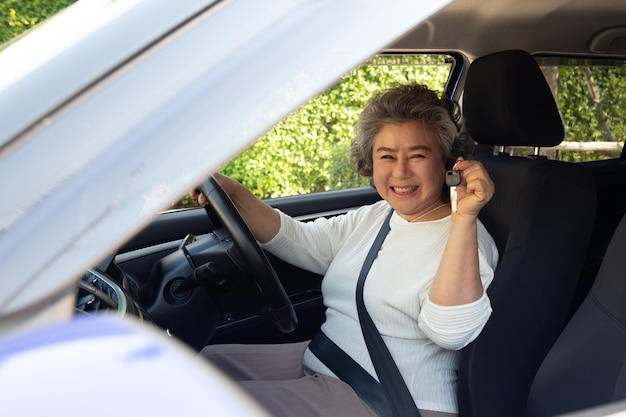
(507, 101)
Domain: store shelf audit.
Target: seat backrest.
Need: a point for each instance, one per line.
(541, 218)
(586, 366)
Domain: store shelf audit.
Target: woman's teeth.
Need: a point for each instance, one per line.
(404, 190)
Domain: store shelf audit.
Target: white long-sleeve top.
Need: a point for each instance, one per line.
(422, 337)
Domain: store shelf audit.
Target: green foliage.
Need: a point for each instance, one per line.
(591, 102)
(16, 16)
(309, 150)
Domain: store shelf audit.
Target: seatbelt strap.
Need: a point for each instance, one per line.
(350, 372)
(390, 397)
(398, 396)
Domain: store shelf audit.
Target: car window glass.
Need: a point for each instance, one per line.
(309, 150)
(590, 95)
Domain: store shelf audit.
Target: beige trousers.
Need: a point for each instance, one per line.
(275, 376)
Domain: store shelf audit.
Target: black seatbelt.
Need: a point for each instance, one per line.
(390, 397)
(398, 396)
(350, 372)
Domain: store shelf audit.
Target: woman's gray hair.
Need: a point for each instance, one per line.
(405, 103)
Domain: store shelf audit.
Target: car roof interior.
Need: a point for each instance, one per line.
(479, 27)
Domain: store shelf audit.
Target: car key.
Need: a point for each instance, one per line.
(453, 178)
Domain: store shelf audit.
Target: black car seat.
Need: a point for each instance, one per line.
(586, 366)
(541, 218)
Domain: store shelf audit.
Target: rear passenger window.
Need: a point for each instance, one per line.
(590, 95)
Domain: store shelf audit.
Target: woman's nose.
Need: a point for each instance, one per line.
(401, 169)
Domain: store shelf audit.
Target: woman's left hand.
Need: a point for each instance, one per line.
(476, 188)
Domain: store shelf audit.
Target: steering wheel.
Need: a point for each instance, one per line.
(278, 304)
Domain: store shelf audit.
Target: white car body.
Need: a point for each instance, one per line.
(84, 93)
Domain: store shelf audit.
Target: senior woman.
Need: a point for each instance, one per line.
(426, 289)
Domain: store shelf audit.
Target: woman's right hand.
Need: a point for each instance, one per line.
(263, 221)
(197, 196)
(228, 184)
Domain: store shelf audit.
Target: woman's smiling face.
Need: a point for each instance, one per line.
(409, 168)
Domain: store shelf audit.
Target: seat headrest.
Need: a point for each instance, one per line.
(507, 101)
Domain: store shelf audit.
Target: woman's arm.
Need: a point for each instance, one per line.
(457, 280)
